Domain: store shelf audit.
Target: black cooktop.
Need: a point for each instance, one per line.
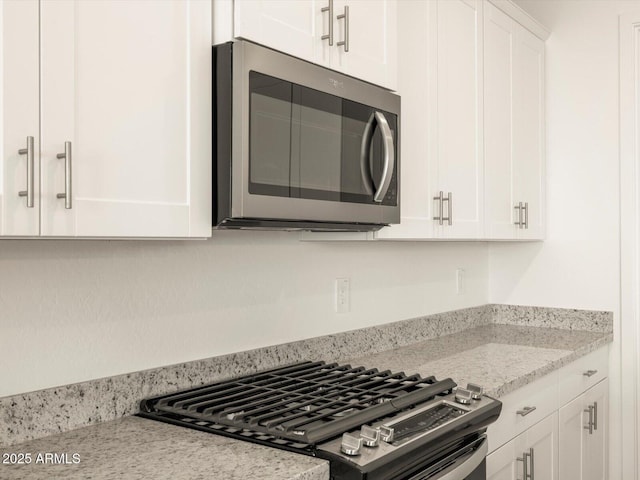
(297, 405)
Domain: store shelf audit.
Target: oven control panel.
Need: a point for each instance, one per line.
(406, 429)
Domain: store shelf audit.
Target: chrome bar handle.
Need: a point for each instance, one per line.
(330, 35)
(590, 373)
(589, 410)
(595, 415)
(441, 208)
(526, 215)
(449, 200)
(389, 157)
(519, 221)
(67, 195)
(345, 15)
(525, 465)
(525, 411)
(531, 474)
(29, 152)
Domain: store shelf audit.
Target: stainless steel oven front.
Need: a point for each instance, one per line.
(469, 464)
(301, 146)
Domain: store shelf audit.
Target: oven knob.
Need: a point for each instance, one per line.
(351, 444)
(386, 434)
(476, 390)
(463, 396)
(370, 436)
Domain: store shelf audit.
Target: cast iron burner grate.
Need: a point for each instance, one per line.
(306, 402)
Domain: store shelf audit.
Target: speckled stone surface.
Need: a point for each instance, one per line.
(134, 448)
(45, 412)
(485, 355)
(37, 414)
(563, 318)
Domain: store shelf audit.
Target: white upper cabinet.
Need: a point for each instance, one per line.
(366, 36)
(528, 133)
(415, 81)
(280, 24)
(127, 87)
(514, 129)
(19, 124)
(498, 120)
(456, 118)
(472, 137)
(109, 104)
(355, 37)
(440, 83)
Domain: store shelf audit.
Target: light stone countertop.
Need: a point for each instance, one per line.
(136, 448)
(501, 358)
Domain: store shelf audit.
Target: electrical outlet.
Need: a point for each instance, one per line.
(343, 300)
(460, 281)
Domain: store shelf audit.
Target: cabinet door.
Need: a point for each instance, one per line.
(19, 93)
(414, 83)
(281, 24)
(502, 464)
(369, 31)
(595, 454)
(571, 439)
(128, 84)
(583, 451)
(498, 115)
(458, 118)
(528, 131)
(542, 443)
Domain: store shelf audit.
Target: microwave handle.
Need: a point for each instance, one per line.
(365, 149)
(389, 158)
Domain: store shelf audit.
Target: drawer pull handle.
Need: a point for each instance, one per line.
(590, 373)
(525, 411)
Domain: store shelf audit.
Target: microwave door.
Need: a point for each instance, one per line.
(377, 156)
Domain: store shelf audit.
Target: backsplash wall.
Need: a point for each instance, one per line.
(76, 310)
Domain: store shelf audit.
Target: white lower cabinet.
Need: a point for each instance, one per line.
(532, 454)
(555, 428)
(583, 433)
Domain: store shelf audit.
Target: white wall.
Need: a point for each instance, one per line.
(77, 310)
(579, 264)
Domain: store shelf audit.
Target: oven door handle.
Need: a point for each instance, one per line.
(366, 162)
(465, 465)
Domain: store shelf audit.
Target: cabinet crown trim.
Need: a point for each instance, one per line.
(523, 18)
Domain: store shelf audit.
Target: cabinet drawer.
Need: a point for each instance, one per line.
(582, 374)
(541, 394)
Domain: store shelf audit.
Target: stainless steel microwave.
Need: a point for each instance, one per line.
(299, 146)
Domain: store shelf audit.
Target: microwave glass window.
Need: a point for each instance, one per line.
(315, 143)
(309, 144)
(271, 125)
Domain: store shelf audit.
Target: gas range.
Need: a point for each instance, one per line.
(369, 424)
